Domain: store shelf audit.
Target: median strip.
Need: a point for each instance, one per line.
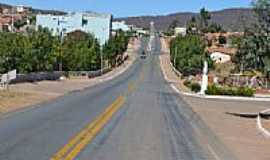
(86, 135)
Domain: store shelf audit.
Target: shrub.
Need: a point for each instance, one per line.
(187, 83)
(230, 91)
(222, 40)
(188, 54)
(194, 86)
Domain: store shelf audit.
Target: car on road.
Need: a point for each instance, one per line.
(143, 55)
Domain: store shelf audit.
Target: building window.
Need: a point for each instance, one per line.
(84, 22)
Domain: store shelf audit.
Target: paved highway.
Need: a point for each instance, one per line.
(136, 116)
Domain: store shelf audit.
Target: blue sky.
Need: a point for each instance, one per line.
(122, 8)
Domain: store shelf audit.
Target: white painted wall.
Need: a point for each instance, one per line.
(218, 57)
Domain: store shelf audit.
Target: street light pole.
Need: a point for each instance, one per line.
(101, 55)
(101, 60)
(12, 19)
(61, 52)
(174, 58)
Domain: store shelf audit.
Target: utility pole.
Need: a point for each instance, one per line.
(175, 54)
(101, 60)
(101, 55)
(61, 51)
(12, 19)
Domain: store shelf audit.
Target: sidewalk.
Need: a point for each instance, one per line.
(28, 94)
(238, 134)
(169, 74)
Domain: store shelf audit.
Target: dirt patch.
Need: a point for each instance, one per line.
(14, 100)
(266, 124)
(239, 134)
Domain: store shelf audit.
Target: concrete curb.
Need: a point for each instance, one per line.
(260, 127)
(262, 99)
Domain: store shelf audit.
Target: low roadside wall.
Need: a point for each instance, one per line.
(40, 76)
(55, 75)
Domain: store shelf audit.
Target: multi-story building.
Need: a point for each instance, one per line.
(95, 23)
(120, 25)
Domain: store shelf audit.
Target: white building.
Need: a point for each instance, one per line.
(120, 26)
(219, 57)
(180, 31)
(95, 23)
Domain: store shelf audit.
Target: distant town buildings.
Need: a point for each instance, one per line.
(95, 23)
(180, 31)
(120, 25)
(221, 52)
(9, 15)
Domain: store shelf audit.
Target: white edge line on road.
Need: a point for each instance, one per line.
(213, 152)
(260, 127)
(219, 97)
(208, 146)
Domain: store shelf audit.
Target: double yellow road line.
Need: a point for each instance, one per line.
(71, 150)
(76, 144)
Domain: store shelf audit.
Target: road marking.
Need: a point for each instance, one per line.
(71, 150)
(131, 87)
(213, 152)
(141, 76)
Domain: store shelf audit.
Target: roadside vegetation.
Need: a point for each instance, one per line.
(188, 54)
(230, 91)
(252, 55)
(39, 51)
(254, 47)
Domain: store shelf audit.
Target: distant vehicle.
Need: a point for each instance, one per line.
(143, 55)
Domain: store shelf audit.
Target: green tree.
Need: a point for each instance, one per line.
(222, 39)
(205, 16)
(80, 52)
(188, 53)
(192, 26)
(214, 28)
(172, 26)
(254, 50)
(116, 46)
(20, 23)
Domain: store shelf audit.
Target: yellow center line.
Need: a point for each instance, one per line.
(76, 144)
(142, 74)
(131, 87)
(86, 135)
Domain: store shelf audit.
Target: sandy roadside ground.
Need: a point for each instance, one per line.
(266, 124)
(238, 134)
(166, 67)
(28, 94)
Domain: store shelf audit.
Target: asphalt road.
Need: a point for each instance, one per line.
(154, 123)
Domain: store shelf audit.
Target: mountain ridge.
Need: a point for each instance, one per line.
(231, 19)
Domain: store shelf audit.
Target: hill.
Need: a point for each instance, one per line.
(35, 11)
(231, 19)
